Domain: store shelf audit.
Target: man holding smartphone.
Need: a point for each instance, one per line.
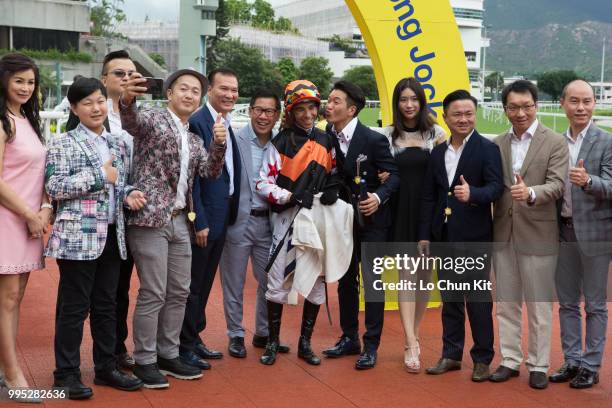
(168, 156)
(116, 70)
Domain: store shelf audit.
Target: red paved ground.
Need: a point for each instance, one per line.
(291, 382)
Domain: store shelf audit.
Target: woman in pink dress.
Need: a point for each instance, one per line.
(24, 207)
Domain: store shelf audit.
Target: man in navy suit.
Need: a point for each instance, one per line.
(356, 142)
(215, 202)
(463, 179)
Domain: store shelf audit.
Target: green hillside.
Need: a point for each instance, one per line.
(527, 14)
(555, 46)
(532, 36)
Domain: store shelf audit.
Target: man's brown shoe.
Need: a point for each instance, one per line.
(503, 373)
(444, 365)
(481, 372)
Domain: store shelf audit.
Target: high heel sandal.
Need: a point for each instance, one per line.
(411, 359)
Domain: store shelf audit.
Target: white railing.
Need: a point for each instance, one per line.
(494, 112)
(52, 123)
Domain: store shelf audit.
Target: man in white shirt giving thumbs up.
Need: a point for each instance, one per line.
(535, 162)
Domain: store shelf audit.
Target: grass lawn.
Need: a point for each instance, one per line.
(369, 116)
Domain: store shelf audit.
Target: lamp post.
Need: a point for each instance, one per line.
(603, 65)
(485, 45)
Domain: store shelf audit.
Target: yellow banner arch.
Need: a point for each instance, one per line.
(418, 38)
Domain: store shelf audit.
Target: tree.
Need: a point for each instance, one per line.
(259, 14)
(317, 71)
(238, 11)
(343, 44)
(263, 14)
(287, 69)
(105, 16)
(223, 22)
(552, 82)
(158, 58)
(364, 78)
(284, 25)
(47, 84)
(494, 81)
(253, 70)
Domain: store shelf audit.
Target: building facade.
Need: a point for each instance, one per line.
(42, 25)
(322, 19)
(197, 23)
(155, 36)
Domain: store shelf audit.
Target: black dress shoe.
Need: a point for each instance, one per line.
(236, 347)
(203, 351)
(76, 389)
(151, 376)
(176, 368)
(366, 360)
(443, 365)
(125, 361)
(192, 359)
(116, 379)
(262, 341)
(503, 373)
(344, 347)
(538, 380)
(564, 374)
(585, 379)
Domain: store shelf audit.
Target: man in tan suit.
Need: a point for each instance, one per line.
(525, 230)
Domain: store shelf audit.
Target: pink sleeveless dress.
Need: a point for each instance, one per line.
(24, 171)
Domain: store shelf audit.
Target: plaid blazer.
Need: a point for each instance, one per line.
(157, 166)
(592, 207)
(74, 179)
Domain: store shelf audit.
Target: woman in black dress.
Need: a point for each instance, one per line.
(412, 136)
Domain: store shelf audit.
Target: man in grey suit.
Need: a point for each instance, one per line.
(251, 235)
(535, 162)
(585, 233)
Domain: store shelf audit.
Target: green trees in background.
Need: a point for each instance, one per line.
(223, 22)
(495, 82)
(552, 82)
(364, 78)
(317, 71)
(259, 14)
(253, 70)
(105, 16)
(288, 70)
(158, 58)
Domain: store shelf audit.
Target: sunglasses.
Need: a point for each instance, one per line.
(119, 73)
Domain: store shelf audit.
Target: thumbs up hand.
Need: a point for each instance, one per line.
(578, 175)
(519, 191)
(462, 190)
(110, 171)
(219, 131)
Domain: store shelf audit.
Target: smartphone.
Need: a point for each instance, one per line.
(154, 86)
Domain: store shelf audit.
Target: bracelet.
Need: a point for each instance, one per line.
(46, 205)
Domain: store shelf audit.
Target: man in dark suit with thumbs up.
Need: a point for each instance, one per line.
(463, 179)
(215, 204)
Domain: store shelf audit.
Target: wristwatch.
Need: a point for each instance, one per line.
(588, 184)
(46, 205)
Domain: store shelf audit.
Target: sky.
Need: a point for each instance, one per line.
(164, 10)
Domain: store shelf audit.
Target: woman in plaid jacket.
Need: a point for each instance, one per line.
(87, 174)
